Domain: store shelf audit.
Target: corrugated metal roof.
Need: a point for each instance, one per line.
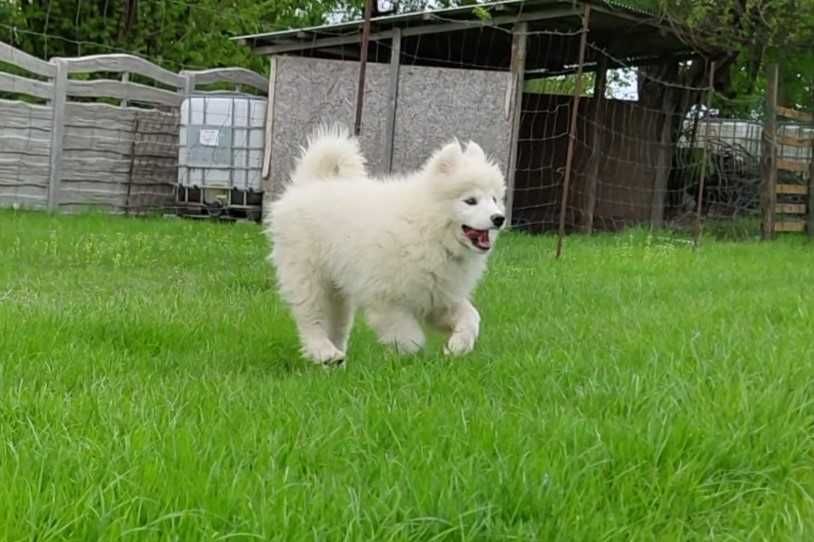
(461, 13)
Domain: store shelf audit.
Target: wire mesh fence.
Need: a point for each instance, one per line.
(595, 133)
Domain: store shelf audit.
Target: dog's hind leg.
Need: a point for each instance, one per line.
(341, 320)
(397, 328)
(312, 304)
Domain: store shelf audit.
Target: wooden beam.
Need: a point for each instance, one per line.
(60, 84)
(238, 76)
(790, 208)
(269, 119)
(796, 166)
(699, 218)
(793, 141)
(810, 217)
(23, 85)
(25, 61)
(123, 91)
(393, 99)
(118, 63)
(793, 226)
(317, 43)
(515, 109)
(792, 189)
(769, 159)
(793, 114)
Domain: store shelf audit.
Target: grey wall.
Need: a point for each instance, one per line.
(434, 105)
(438, 104)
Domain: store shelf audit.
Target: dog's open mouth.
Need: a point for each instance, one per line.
(479, 238)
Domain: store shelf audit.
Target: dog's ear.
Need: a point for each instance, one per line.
(475, 151)
(446, 160)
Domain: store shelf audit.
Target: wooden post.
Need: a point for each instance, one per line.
(125, 80)
(699, 219)
(515, 109)
(572, 127)
(810, 208)
(57, 131)
(664, 159)
(600, 85)
(769, 160)
(360, 92)
(269, 122)
(393, 91)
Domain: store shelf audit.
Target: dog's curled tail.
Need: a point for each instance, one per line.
(331, 152)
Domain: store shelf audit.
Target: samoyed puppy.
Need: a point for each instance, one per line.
(407, 251)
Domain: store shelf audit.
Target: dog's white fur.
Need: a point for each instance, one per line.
(393, 247)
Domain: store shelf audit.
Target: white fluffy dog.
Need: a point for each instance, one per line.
(408, 250)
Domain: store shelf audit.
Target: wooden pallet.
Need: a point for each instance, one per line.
(791, 226)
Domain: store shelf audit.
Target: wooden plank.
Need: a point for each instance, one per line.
(240, 76)
(393, 100)
(25, 61)
(792, 141)
(23, 85)
(129, 91)
(796, 166)
(792, 189)
(57, 131)
(269, 121)
(769, 158)
(518, 70)
(120, 63)
(790, 208)
(790, 226)
(24, 145)
(790, 113)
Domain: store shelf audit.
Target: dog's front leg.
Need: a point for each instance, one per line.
(463, 323)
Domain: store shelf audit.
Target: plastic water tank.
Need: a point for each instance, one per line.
(221, 142)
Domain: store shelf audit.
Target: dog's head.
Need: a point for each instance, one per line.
(471, 188)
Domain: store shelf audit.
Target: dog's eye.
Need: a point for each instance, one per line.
(471, 201)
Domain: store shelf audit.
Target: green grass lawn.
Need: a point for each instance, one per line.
(151, 389)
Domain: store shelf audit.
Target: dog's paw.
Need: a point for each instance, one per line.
(327, 356)
(459, 344)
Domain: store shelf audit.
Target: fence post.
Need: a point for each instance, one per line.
(393, 95)
(360, 92)
(699, 219)
(810, 207)
(572, 126)
(125, 80)
(600, 85)
(269, 124)
(60, 87)
(515, 109)
(769, 159)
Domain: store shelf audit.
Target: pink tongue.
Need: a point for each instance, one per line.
(483, 238)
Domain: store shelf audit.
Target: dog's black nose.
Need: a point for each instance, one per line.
(498, 220)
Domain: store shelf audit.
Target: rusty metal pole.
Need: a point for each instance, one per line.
(572, 127)
(699, 219)
(360, 93)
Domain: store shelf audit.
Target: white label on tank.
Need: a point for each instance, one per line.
(210, 138)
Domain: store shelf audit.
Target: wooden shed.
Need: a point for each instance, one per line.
(527, 79)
